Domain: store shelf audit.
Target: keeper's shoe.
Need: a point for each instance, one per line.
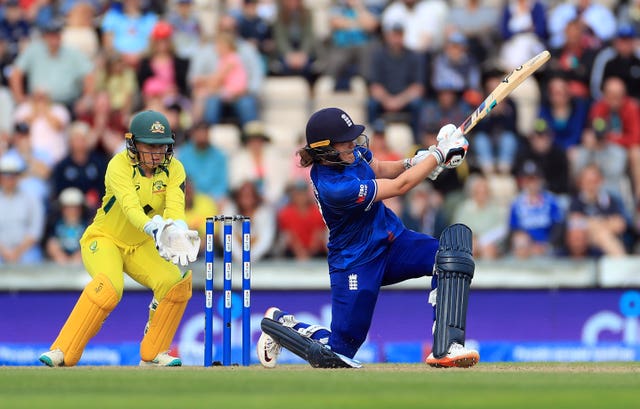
(163, 359)
(268, 349)
(52, 358)
(458, 357)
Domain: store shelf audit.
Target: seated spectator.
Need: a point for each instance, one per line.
(206, 165)
(65, 226)
(599, 212)
(455, 69)
(38, 163)
(260, 162)
(246, 200)
(186, 28)
(485, 218)
(127, 29)
(622, 118)
(397, 80)
(22, 218)
(479, 22)
(161, 71)
(255, 29)
(566, 115)
(47, 64)
(378, 143)
(303, 234)
(597, 17)
(629, 14)
(353, 28)
(574, 60)
(618, 60)
(7, 104)
(79, 32)
(224, 82)
(536, 217)
(447, 108)
(550, 158)
(83, 168)
(495, 140)
(14, 27)
(423, 211)
(423, 22)
(294, 40)
(117, 94)
(47, 121)
(197, 207)
(524, 31)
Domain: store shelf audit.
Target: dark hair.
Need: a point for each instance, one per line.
(306, 158)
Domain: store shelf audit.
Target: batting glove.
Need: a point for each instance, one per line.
(451, 148)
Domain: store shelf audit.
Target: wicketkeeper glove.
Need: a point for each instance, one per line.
(174, 241)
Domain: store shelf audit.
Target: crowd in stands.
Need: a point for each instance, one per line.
(553, 171)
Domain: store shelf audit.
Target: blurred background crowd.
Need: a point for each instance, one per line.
(553, 171)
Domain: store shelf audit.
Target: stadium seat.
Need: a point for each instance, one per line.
(399, 137)
(225, 137)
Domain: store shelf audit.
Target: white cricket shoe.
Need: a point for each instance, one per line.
(163, 359)
(458, 356)
(52, 358)
(268, 349)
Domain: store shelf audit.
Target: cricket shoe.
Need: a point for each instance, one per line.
(268, 349)
(163, 359)
(52, 358)
(458, 357)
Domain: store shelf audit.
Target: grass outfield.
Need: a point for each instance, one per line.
(566, 386)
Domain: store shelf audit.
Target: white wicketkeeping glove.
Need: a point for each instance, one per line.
(174, 241)
(155, 228)
(450, 151)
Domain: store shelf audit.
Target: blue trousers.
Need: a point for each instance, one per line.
(354, 292)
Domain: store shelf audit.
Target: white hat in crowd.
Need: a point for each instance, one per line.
(71, 196)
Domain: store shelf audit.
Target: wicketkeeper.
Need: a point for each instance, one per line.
(369, 247)
(139, 230)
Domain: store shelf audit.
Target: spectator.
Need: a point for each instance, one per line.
(83, 168)
(524, 31)
(486, 219)
(294, 38)
(495, 140)
(65, 227)
(629, 14)
(454, 69)
(378, 144)
(551, 159)
(14, 27)
(161, 72)
(117, 94)
(619, 60)
(397, 78)
(303, 234)
(6, 100)
(79, 32)
(206, 165)
(565, 114)
(207, 64)
(597, 17)
(423, 211)
(47, 122)
(255, 29)
(478, 22)
(620, 114)
(447, 108)
(260, 162)
(574, 60)
(423, 22)
(352, 28)
(247, 201)
(66, 74)
(38, 163)
(21, 217)
(601, 213)
(536, 217)
(127, 29)
(198, 206)
(186, 29)
(610, 158)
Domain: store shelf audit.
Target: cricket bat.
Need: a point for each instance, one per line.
(510, 82)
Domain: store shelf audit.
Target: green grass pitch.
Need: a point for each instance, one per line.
(507, 385)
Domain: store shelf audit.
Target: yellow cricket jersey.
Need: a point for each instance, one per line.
(131, 199)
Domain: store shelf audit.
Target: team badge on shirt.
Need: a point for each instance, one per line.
(159, 186)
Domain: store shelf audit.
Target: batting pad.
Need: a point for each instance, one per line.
(454, 267)
(95, 304)
(166, 319)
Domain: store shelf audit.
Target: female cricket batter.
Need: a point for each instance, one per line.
(369, 247)
(140, 230)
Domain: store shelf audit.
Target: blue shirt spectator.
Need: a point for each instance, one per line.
(128, 31)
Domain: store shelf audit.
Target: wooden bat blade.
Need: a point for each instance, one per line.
(510, 82)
